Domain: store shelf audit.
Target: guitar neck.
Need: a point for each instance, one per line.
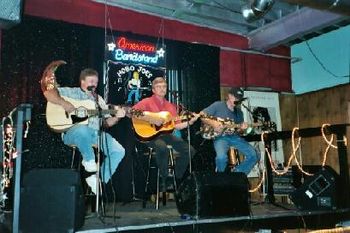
(236, 126)
(102, 111)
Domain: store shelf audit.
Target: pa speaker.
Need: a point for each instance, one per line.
(205, 194)
(51, 201)
(10, 13)
(318, 192)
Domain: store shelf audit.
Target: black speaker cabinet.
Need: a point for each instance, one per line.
(318, 192)
(205, 194)
(51, 201)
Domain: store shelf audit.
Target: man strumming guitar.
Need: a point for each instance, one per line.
(158, 104)
(229, 109)
(81, 135)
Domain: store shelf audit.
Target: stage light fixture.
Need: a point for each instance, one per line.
(256, 10)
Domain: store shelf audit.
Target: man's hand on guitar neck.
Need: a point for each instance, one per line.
(110, 121)
(120, 113)
(194, 119)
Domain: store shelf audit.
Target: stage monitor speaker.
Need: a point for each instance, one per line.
(205, 194)
(10, 13)
(318, 192)
(51, 201)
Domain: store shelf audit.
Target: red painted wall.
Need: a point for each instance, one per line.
(236, 69)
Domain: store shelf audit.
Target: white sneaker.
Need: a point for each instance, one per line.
(91, 181)
(90, 166)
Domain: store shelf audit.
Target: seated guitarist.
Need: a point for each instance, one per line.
(84, 136)
(230, 109)
(155, 104)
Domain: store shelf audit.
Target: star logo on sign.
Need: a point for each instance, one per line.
(161, 52)
(111, 46)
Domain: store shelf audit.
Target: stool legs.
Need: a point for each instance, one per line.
(172, 167)
(158, 191)
(171, 172)
(73, 157)
(148, 176)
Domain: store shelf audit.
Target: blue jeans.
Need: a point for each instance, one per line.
(135, 92)
(84, 137)
(222, 145)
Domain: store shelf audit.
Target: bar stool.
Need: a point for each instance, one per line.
(171, 173)
(233, 158)
(74, 151)
(74, 155)
(90, 197)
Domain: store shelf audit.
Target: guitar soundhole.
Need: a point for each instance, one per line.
(76, 119)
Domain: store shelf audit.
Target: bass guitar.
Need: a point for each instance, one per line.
(60, 121)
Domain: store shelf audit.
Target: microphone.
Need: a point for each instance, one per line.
(241, 100)
(91, 88)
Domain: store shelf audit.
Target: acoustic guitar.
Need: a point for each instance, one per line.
(229, 127)
(60, 121)
(147, 131)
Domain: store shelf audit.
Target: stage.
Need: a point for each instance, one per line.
(131, 217)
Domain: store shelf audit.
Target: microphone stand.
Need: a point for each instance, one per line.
(188, 131)
(189, 141)
(270, 198)
(98, 154)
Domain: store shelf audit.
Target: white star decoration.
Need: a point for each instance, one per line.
(161, 52)
(111, 46)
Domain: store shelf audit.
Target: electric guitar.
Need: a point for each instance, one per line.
(60, 121)
(145, 130)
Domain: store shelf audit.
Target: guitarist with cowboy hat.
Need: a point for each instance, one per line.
(230, 109)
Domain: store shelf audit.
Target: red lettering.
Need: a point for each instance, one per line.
(122, 43)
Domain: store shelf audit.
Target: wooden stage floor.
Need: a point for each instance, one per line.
(131, 217)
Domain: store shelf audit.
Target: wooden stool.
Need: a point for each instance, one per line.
(233, 158)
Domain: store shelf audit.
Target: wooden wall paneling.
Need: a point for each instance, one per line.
(314, 109)
(288, 106)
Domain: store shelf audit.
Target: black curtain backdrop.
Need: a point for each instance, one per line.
(30, 46)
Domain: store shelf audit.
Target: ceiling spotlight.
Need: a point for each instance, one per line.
(256, 10)
(263, 5)
(248, 14)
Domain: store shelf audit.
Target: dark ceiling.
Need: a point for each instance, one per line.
(287, 22)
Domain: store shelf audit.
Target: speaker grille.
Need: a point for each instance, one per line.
(318, 192)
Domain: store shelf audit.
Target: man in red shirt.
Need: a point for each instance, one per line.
(155, 104)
